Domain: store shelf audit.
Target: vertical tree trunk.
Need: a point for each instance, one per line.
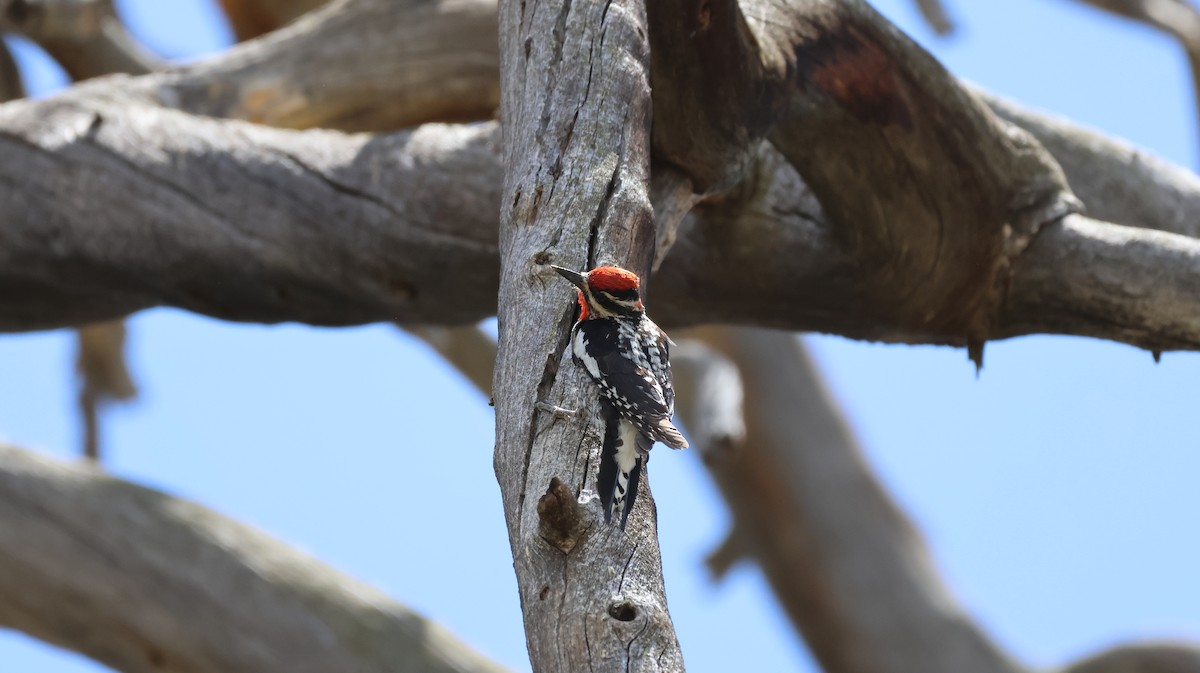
(576, 112)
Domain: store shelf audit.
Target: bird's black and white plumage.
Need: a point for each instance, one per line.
(629, 358)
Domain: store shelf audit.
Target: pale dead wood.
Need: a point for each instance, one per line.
(576, 109)
(147, 583)
(1106, 174)
(846, 564)
(248, 80)
(88, 40)
(354, 65)
(319, 226)
(1081, 276)
(336, 229)
(1116, 181)
(562, 496)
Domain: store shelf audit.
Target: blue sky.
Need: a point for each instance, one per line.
(1057, 489)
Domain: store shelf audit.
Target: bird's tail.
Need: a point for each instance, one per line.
(622, 455)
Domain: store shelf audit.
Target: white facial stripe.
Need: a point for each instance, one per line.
(596, 308)
(602, 304)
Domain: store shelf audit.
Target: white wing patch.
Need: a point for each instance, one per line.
(581, 352)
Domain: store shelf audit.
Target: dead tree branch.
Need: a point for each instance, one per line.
(319, 226)
(1085, 277)
(576, 108)
(85, 36)
(1142, 658)
(932, 195)
(89, 40)
(332, 229)
(846, 564)
(1116, 181)
(356, 65)
(146, 583)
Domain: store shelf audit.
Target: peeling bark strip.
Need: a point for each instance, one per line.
(576, 109)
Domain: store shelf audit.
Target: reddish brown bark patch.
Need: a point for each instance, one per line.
(857, 73)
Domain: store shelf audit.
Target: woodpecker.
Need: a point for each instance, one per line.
(628, 357)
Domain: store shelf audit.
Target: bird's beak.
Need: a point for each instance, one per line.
(578, 279)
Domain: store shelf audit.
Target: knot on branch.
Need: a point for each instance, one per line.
(560, 521)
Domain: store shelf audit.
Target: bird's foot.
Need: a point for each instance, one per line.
(559, 412)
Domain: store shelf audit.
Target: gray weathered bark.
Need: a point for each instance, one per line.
(272, 200)
(88, 40)
(355, 65)
(147, 583)
(401, 227)
(807, 295)
(576, 105)
(366, 228)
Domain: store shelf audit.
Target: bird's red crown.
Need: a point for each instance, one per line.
(612, 279)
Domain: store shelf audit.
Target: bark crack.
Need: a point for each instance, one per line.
(602, 212)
